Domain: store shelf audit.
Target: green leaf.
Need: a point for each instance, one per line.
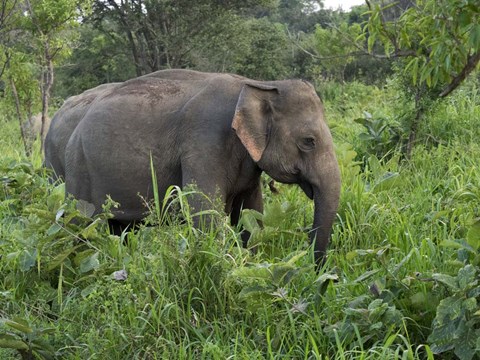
(326, 277)
(464, 18)
(274, 215)
(19, 324)
(324, 280)
(56, 197)
(27, 259)
(475, 292)
(55, 228)
(474, 38)
(280, 272)
(89, 263)
(43, 345)
(465, 347)
(250, 219)
(257, 272)
(371, 41)
(448, 325)
(255, 292)
(362, 121)
(447, 280)
(470, 304)
(90, 231)
(473, 235)
(294, 257)
(366, 275)
(451, 244)
(413, 67)
(466, 277)
(86, 209)
(388, 181)
(12, 342)
(60, 258)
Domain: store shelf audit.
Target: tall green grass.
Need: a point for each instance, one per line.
(73, 290)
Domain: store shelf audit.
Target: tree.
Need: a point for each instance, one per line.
(335, 48)
(164, 33)
(35, 34)
(7, 14)
(302, 15)
(264, 51)
(440, 38)
(99, 57)
(17, 75)
(51, 23)
(439, 41)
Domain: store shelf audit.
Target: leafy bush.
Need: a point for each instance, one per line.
(381, 138)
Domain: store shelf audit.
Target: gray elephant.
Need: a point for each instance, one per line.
(32, 127)
(217, 131)
(72, 111)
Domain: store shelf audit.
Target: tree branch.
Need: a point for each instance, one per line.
(361, 51)
(472, 62)
(5, 64)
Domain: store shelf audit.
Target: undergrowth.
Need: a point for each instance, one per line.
(400, 280)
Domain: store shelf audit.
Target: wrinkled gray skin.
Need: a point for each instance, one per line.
(72, 111)
(64, 123)
(218, 131)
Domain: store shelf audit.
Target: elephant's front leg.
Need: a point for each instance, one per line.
(251, 199)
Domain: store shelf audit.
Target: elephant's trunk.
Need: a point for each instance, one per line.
(326, 197)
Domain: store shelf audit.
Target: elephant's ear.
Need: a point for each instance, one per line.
(251, 119)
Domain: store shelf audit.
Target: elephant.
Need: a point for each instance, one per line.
(72, 111)
(64, 122)
(214, 130)
(32, 127)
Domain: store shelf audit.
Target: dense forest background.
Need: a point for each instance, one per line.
(50, 50)
(401, 89)
(111, 41)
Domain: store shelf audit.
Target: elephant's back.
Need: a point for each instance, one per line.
(64, 122)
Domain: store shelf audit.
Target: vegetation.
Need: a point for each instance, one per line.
(402, 275)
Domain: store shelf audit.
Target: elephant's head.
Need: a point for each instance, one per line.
(282, 126)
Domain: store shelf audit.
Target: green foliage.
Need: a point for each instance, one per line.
(455, 326)
(263, 54)
(335, 46)
(99, 58)
(23, 71)
(160, 34)
(28, 340)
(403, 232)
(381, 137)
(52, 16)
(401, 276)
(266, 238)
(440, 38)
(366, 317)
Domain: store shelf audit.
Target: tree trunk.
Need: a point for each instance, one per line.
(47, 82)
(20, 117)
(414, 125)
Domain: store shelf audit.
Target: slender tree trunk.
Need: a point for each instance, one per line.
(414, 125)
(20, 117)
(47, 82)
(136, 56)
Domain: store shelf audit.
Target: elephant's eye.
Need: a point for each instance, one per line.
(307, 143)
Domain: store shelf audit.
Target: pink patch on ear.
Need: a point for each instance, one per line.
(246, 138)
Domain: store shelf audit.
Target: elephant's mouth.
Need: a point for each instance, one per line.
(307, 189)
